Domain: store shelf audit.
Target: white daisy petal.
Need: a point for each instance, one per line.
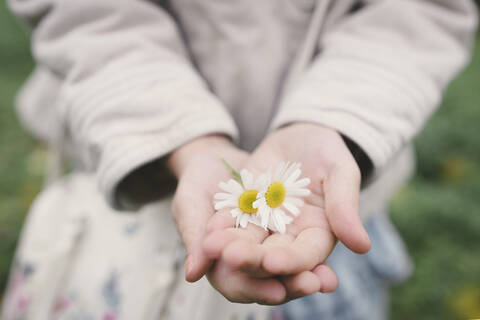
(244, 220)
(301, 183)
(269, 175)
(237, 221)
(295, 201)
(298, 192)
(236, 212)
(272, 225)
(254, 219)
(235, 186)
(279, 172)
(287, 219)
(278, 221)
(265, 213)
(294, 166)
(292, 208)
(279, 212)
(262, 182)
(284, 170)
(292, 177)
(225, 204)
(222, 196)
(247, 179)
(225, 187)
(257, 203)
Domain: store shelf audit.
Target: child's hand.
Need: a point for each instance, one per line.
(331, 211)
(198, 168)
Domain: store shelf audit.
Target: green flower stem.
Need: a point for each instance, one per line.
(234, 172)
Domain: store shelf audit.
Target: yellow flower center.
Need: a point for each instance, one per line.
(275, 194)
(246, 200)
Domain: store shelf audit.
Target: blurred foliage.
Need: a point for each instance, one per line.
(18, 185)
(438, 213)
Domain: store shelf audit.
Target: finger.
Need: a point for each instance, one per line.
(247, 257)
(310, 248)
(191, 219)
(221, 220)
(342, 190)
(239, 287)
(321, 278)
(218, 240)
(302, 284)
(307, 243)
(327, 276)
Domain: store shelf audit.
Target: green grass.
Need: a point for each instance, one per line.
(18, 185)
(438, 213)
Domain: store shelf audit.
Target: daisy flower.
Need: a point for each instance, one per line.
(279, 191)
(240, 197)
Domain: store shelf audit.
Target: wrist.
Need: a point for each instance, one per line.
(210, 145)
(363, 161)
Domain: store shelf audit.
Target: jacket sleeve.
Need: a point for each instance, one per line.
(381, 72)
(129, 94)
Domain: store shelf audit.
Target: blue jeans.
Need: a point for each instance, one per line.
(364, 280)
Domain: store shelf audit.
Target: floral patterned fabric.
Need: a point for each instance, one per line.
(80, 260)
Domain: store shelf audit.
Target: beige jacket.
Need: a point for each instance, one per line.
(122, 83)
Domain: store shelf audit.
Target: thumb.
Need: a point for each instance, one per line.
(191, 218)
(342, 191)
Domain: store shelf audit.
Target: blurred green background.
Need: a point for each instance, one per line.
(438, 213)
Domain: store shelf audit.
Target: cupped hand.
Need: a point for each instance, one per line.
(198, 169)
(330, 212)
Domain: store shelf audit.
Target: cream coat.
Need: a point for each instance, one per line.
(129, 81)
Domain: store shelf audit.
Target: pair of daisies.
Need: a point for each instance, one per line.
(263, 201)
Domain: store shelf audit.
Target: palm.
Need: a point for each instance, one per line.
(192, 204)
(306, 243)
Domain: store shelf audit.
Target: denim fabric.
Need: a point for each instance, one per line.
(364, 280)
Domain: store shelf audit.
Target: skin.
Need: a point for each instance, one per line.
(253, 265)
